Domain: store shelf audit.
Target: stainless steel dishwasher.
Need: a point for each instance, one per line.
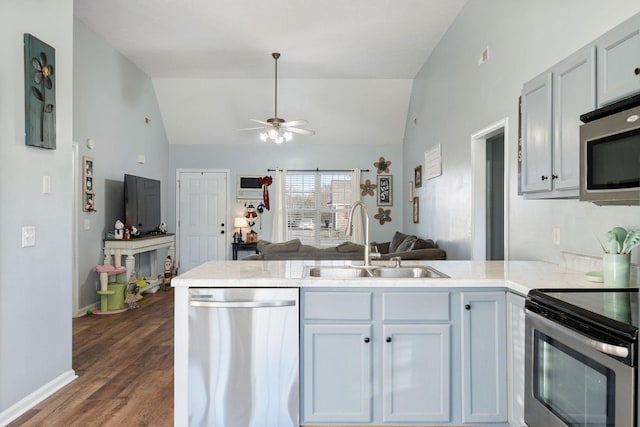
(244, 357)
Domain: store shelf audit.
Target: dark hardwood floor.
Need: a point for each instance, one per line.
(124, 364)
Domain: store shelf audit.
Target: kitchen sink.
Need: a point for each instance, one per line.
(352, 272)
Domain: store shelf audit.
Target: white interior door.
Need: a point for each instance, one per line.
(202, 218)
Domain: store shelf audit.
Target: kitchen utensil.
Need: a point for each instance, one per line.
(612, 242)
(631, 241)
(601, 245)
(621, 234)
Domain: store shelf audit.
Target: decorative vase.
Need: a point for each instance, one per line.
(616, 270)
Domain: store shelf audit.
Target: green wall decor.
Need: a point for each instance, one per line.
(39, 93)
(382, 165)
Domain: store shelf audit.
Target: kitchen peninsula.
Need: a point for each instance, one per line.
(367, 323)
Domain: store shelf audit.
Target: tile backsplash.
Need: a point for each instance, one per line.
(585, 263)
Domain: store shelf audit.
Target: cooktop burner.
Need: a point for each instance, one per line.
(610, 311)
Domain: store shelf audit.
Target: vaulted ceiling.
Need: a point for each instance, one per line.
(346, 65)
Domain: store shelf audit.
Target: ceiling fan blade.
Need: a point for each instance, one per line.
(302, 131)
(261, 122)
(256, 128)
(294, 123)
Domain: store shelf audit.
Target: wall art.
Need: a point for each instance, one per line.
(417, 176)
(416, 210)
(385, 190)
(88, 185)
(39, 93)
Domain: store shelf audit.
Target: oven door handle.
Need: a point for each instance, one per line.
(610, 349)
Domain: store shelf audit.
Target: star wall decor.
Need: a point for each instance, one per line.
(383, 215)
(382, 165)
(368, 187)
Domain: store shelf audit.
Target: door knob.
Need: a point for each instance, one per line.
(367, 339)
(222, 225)
(467, 306)
(544, 177)
(221, 231)
(388, 339)
(637, 71)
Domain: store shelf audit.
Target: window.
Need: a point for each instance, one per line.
(318, 206)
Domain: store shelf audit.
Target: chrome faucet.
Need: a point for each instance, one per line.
(349, 230)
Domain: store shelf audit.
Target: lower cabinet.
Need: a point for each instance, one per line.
(337, 372)
(484, 357)
(416, 373)
(392, 356)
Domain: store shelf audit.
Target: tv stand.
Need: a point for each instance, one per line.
(131, 247)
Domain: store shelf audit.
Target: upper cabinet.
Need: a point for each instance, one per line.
(619, 62)
(551, 107)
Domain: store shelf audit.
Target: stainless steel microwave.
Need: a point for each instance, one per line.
(610, 156)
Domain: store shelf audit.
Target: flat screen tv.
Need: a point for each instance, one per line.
(142, 203)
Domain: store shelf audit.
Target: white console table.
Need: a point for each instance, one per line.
(131, 247)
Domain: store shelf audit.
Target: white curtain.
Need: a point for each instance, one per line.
(358, 233)
(279, 230)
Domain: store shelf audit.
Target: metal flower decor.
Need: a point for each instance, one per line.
(383, 215)
(382, 165)
(39, 93)
(368, 187)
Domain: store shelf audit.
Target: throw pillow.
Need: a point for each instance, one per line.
(397, 240)
(423, 244)
(265, 246)
(406, 244)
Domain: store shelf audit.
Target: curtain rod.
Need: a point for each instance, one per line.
(319, 170)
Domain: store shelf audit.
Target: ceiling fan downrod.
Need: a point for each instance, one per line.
(276, 55)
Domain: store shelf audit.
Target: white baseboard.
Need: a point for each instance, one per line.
(19, 408)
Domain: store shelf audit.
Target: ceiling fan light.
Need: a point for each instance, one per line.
(279, 140)
(273, 133)
(263, 136)
(288, 136)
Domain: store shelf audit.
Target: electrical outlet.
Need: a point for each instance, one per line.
(28, 236)
(556, 235)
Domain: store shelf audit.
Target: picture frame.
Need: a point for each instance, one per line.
(417, 176)
(39, 93)
(385, 190)
(88, 184)
(416, 210)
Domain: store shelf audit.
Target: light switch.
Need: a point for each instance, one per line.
(28, 236)
(46, 184)
(87, 224)
(556, 236)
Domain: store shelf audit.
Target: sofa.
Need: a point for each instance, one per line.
(401, 245)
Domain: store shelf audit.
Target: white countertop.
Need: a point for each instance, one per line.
(518, 276)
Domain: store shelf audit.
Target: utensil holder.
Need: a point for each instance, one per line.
(616, 270)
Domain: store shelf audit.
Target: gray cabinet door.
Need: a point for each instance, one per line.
(536, 134)
(484, 365)
(515, 355)
(337, 373)
(619, 62)
(416, 373)
(574, 93)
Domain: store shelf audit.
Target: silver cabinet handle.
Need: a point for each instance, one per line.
(197, 302)
(610, 349)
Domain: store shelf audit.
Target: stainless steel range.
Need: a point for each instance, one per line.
(581, 357)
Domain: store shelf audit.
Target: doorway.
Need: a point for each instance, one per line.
(489, 199)
(495, 197)
(202, 216)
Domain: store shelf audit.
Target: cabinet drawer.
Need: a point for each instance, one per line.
(337, 306)
(415, 306)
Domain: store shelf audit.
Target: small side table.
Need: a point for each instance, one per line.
(243, 247)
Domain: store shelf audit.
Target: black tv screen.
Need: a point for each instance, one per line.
(142, 203)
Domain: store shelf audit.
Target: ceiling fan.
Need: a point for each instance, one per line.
(277, 129)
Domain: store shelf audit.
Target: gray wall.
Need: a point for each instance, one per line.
(35, 282)
(112, 98)
(302, 153)
(453, 98)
